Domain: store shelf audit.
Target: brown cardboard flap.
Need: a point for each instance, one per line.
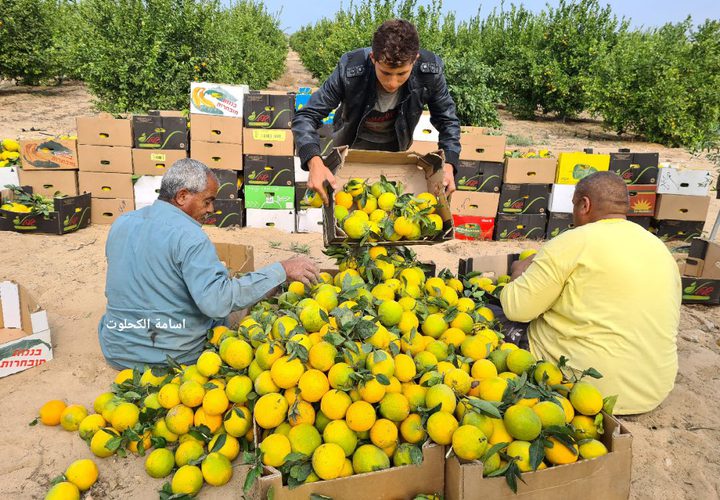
(237, 258)
(390, 484)
(28, 305)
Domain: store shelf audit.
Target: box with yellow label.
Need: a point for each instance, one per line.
(272, 142)
(574, 166)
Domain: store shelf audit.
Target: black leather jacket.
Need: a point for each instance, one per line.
(353, 86)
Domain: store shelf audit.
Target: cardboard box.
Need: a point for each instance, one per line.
(417, 174)
(558, 223)
(603, 478)
(106, 210)
(474, 204)
(104, 130)
(561, 196)
(475, 145)
(327, 140)
(680, 207)
(227, 213)
(487, 265)
(269, 109)
(70, 214)
(703, 259)
(113, 159)
(103, 185)
(473, 227)
(309, 220)
(389, 484)
(515, 226)
(9, 176)
(154, 162)
(635, 168)
(270, 197)
(574, 166)
(48, 154)
(217, 155)
(208, 128)
(700, 291)
(146, 190)
(303, 195)
(686, 182)
(423, 148)
(425, 131)
(674, 230)
(530, 170)
(524, 198)
(283, 220)
(264, 170)
(227, 184)
(237, 258)
(160, 132)
(50, 183)
(642, 200)
(24, 332)
(217, 99)
(272, 142)
(483, 176)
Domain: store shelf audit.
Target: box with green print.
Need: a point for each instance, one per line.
(264, 170)
(270, 197)
(67, 214)
(268, 109)
(524, 199)
(635, 168)
(700, 291)
(482, 176)
(520, 226)
(160, 132)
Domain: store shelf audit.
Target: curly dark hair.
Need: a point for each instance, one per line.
(396, 43)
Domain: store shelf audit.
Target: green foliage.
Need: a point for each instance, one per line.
(27, 29)
(137, 55)
(321, 45)
(663, 84)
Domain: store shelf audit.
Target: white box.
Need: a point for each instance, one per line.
(217, 99)
(424, 130)
(561, 198)
(9, 175)
(300, 174)
(309, 221)
(687, 182)
(24, 331)
(147, 188)
(283, 220)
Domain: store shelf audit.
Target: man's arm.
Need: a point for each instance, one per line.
(535, 290)
(443, 116)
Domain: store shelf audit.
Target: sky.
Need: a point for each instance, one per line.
(648, 13)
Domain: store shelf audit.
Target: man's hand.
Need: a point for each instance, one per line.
(448, 178)
(519, 266)
(319, 173)
(301, 269)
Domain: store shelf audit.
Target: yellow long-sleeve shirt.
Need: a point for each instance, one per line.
(605, 295)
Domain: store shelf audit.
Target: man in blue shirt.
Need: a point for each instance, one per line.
(165, 285)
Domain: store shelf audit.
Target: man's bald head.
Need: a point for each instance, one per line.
(601, 195)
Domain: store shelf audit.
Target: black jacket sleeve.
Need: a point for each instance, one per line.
(443, 117)
(308, 119)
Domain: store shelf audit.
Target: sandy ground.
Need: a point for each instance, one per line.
(675, 446)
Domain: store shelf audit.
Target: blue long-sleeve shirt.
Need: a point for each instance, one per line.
(166, 287)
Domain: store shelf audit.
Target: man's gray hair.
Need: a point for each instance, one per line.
(185, 173)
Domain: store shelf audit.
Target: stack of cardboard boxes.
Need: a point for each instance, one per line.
(682, 203)
(522, 212)
(701, 273)
(640, 173)
(106, 166)
(268, 161)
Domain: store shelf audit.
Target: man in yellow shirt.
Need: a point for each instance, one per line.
(606, 295)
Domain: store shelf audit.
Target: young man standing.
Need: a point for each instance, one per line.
(381, 91)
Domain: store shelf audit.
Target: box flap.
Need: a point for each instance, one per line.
(237, 258)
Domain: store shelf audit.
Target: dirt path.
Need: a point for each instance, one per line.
(675, 447)
(295, 75)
